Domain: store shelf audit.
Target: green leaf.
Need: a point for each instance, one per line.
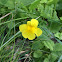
(46, 11)
(59, 6)
(10, 4)
(60, 18)
(27, 2)
(55, 17)
(44, 1)
(3, 1)
(57, 47)
(51, 58)
(57, 53)
(20, 5)
(37, 45)
(58, 35)
(46, 60)
(37, 54)
(34, 4)
(54, 26)
(49, 44)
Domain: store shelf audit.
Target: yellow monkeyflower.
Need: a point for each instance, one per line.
(30, 30)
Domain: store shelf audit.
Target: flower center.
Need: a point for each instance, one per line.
(30, 28)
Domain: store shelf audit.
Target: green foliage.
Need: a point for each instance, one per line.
(45, 48)
(57, 47)
(49, 44)
(46, 11)
(60, 18)
(37, 54)
(27, 2)
(34, 4)
(10, 4)
(37, 43)
(54, 26)
(46, 60)
(10, 25)
(51, 58)
(58, 35)
(59, 5)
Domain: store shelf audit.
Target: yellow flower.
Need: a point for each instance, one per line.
(30, 30)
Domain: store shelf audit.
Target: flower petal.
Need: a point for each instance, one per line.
(31, 36)
(25, 34)
(28, 22)
(34, 22)
(28, 34)
(23, 27)
(38, 32)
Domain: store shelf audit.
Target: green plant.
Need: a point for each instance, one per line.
(45, 48)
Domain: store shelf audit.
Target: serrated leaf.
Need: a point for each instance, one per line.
(46, 11)
(52, 57)
(57, 47)
(49, 44)
(55, 17)
(20, 5)
(57, 53)
(37, 54)
(46, 60)
(54, 26)
(34, 4)
(58, 35)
